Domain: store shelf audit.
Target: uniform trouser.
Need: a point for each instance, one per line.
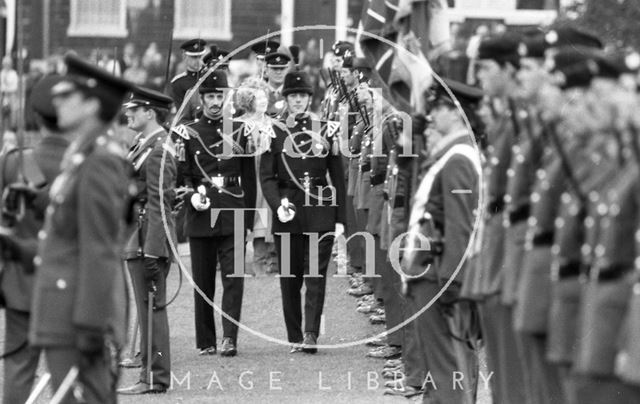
(206, 253)
(507, 382)
(354, 248)
(97, 378)
(160, 346)
(390, 285)
(544, 377)
(443, 355)
(601, 389)
(293, 278)
(19, 367)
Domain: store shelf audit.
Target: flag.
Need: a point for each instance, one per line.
(421, 27)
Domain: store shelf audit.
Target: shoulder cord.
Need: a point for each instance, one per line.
(229, 139)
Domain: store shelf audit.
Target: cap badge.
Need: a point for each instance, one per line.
(551, 37)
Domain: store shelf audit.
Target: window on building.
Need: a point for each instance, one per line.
(99, 18)
(206, 19)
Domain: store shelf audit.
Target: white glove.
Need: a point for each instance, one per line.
(286, 211)
(197, 200)
(339, 230)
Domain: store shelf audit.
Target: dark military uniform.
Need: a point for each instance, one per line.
(78, 311)
(186, 80)
(148, 251)
(302, 178)
(230, 184)
(16, 281)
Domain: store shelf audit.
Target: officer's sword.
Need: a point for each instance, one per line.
(66, 385)
(39, 388)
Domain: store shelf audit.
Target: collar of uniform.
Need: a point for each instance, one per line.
(144, 140)
(210, 121)
(459, 136)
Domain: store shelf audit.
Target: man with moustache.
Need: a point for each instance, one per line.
(148, 252)
(221, 172)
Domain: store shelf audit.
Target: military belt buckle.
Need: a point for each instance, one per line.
(218, 181)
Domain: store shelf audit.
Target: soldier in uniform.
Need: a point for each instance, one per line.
(444, 211)
(259, 51)
(293, 174)
(192, 52)
(498, 62)
(218, 168)
(19, 245)
(148, 252)
(277, 67)
(78, 312)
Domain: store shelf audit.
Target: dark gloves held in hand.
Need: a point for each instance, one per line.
(90, 342)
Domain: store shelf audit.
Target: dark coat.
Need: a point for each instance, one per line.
(206, 157)
(147, 163)
(316, 158)
(79, 280)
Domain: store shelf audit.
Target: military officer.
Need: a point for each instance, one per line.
(444, 210)
(19, 248)
(222, 176)
(259, 51)
(78, 314)
(498, 61)
(192, 52)
(148, 252)
(307, 209)
(277, 67)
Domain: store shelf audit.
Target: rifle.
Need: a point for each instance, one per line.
(550, 131)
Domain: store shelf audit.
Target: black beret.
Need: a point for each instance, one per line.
(215, 82)
(41, 96)
(342, 48)
(533, 44)
(571, 36)
(264, 47)
(502, 48)
(146, 97)
(575, 66)
(465, 94)
(277, 59)
(93, 80)
(615, 64)
(194, 47)
(296, 82)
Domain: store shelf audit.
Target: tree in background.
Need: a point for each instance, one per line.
(615, 21)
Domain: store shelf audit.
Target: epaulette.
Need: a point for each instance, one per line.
(185, 131)
(183, 74)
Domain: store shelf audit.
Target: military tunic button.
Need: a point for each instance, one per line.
(602, 209)
(42, 235)
(520, 158)
(510, 173)
(101, 141)
(535, 197)
(495, 161)
(50, 210)
(559, 222)
(541, 173)
(565, 198)
(573, 210)
(594, 196)
(600, 250)
(589, 222)
(507, 198)
(614, 209)
(61, 284)
(555, 249)
(585, 249)
(532, 221)
(37, 261)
